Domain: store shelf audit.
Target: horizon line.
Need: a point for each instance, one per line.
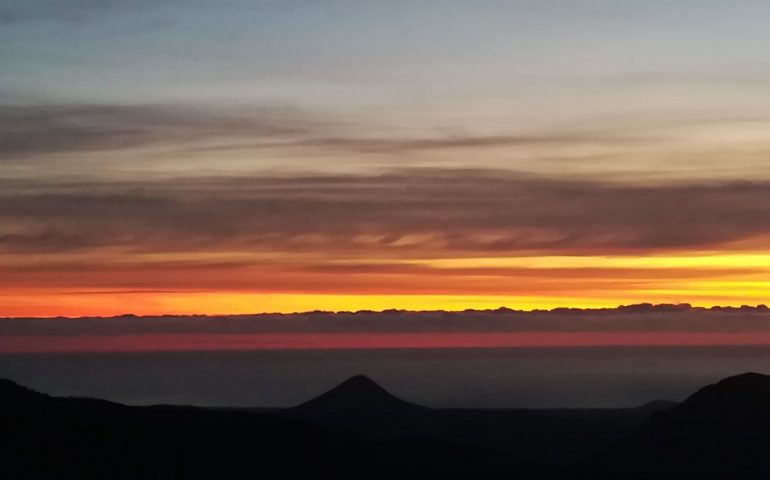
(501, 309)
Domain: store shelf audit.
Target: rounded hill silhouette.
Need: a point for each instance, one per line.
(748, 390)
(721, 431)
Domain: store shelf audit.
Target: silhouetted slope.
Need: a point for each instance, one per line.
(720, 432)
(17, 398)
(12, 395)
(657, 406)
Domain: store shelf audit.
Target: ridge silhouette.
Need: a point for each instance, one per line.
(12, 395)
(358, 429)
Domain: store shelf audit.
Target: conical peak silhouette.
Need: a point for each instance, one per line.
(356, 393)
(361, 383)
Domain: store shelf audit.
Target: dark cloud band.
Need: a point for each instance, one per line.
(412, 212)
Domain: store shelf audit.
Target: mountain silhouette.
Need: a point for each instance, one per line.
(89, 438)
(357, 394)
(721, 431)
(358, 429)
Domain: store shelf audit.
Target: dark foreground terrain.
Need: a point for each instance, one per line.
(358, 430)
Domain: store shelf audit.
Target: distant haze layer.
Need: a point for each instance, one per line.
(519, 377)
(635, 325)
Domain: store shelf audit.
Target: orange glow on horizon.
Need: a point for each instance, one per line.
(206, 303)
(525, 283)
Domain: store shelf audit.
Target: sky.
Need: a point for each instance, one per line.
(232, 157)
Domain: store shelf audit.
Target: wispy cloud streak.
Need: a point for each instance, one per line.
(403, 214)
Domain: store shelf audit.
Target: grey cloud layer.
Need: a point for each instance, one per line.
(35, 130)
(424, 212)
(32, 130)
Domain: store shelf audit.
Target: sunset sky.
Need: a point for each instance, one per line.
(241, 156)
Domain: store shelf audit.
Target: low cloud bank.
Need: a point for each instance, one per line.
(641, 318)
